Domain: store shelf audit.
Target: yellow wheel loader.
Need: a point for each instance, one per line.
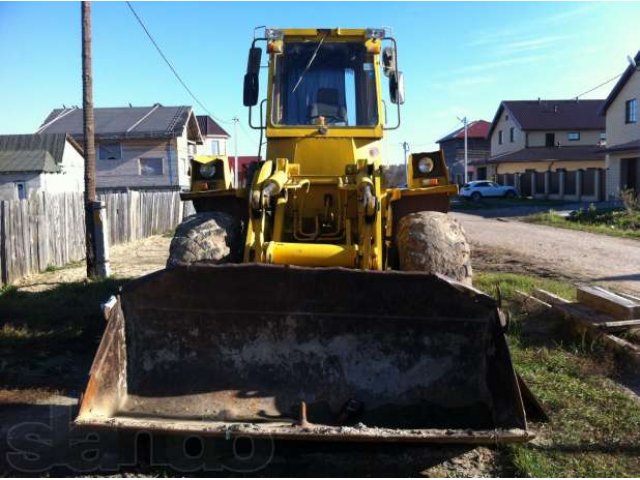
(314, 302)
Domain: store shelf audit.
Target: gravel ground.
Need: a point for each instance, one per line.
(580, 256)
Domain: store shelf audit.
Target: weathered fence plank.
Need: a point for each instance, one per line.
(48, 229)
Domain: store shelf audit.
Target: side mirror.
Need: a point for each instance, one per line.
(251, 78)
(396, 88)
(251, 90)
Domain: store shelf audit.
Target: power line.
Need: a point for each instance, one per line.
(172, 68)
(601, 85)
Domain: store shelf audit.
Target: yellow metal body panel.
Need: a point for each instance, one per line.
(311, 254)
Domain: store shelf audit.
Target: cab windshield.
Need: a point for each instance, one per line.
(338, 84)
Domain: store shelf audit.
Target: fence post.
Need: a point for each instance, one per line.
(101, 238)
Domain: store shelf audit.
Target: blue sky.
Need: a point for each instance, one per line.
(459, 58)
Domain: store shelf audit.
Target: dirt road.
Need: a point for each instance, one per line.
(508, 244)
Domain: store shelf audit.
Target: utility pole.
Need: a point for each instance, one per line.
(405, 149)
(89, 140)
(466, 148)
(235, 151)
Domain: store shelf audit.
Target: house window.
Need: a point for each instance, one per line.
(512, 134)
(500, 137)
(631, 111)
(573, 136)
(110, 151)
(21, 190)
(151, 166)
(215, 147)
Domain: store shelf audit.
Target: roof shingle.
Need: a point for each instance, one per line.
(33, 152)
(208, 126)
(553, 114)
(156, 121)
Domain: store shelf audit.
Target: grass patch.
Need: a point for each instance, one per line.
(615, 222)
(595, 425)
(48, 338)
(510, 282)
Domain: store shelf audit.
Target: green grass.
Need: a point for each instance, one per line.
(510, 282)
(49, 337)
(618, 223)
(595, 425)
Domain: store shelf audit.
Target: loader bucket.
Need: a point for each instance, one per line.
(300, 353)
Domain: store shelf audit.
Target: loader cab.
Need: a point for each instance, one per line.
(325, 80)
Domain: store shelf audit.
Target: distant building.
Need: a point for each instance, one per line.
(623, 132)
(214, 137)
(478, 148)
(548, 148)
(39, 163)
(136, 147)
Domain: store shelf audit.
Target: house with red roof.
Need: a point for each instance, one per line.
(478, 148)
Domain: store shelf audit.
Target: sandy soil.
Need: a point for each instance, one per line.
(579, 256)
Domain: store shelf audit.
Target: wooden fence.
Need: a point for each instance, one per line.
(48, 229)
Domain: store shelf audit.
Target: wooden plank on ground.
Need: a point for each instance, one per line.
(549, 297)
(531, 304)
(633, 298)
(586, 322)
(620, 325)
(603, 300)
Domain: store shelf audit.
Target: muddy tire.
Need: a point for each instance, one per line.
(208, 237)
(434, 242)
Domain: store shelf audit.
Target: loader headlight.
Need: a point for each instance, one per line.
(425, 165)
(208, 170)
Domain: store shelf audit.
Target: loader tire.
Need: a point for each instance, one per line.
(434, 242)
(207, 237)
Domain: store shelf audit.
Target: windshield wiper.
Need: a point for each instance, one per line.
(313, 57)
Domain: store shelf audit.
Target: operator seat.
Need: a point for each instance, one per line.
(328, 105)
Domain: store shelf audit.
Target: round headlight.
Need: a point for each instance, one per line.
(425, 165)
(208, 170)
